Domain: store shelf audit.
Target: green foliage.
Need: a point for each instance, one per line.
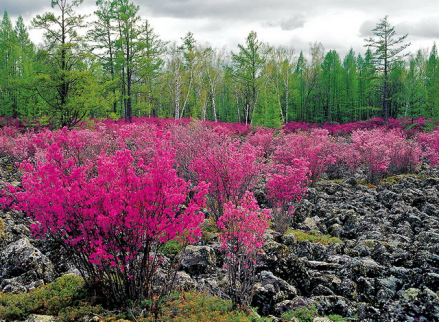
(307, 314)
(246, 70)
(303, 314)
(66, 292)
(172, 247)
(201, 307)
(209, 229)
(314, 236)
(68, 299)
(337, 318)
(122, 68)
(387, 50)
(79, 312)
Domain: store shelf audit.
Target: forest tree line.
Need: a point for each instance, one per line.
(118, 66)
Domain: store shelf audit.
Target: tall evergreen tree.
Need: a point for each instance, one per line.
(415, 90)
(300, 88)
(8, 68)
(247, 65)
(64, 70)
(350, 83)
(387, 52)
(103, 36)
(432, 84)
(367, 86)
(331, 88)
(128, 49)
(151, 63)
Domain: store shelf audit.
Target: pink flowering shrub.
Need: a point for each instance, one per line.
(315, 147)
(230, 167)
(385, 152)
(404, 153)
(189, 142)
(286, 185)
(429, 143)
(242, 229)
(264, 139)
(112, 213)
(374, 152)
(347, 159)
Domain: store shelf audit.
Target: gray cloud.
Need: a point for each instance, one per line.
(225, 21)
(298, 21)
(428, 28)
(30, 8)
(23, 7)
(261, 9)
(294, 22)
(244, 10)
(366, 28)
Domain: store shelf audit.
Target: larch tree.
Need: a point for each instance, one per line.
(8, 75)
(349, 110)
(331, 86)
(27, 98)
(432, 84)
(151, 63)
(367, 86)
(387, 49)
(128, 49)
(64, 75)
(247, 65)
(415, 90)
(103, 37)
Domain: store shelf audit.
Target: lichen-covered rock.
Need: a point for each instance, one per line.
(184, 282)
(197, 260)
(288, 305)
(40, 318)
(271, 290)
(25, 264)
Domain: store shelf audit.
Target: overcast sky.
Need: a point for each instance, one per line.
(337, 24)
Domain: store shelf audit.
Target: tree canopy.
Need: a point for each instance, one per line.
(119, 67)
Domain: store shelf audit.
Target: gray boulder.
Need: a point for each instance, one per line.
(197, 260)
(21, 262)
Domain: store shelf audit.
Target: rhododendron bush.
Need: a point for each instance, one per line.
(230, 167)
(242, 235)
(113, 193)
(315, 147)
(382, 152)
(286, 185)
(113, 213)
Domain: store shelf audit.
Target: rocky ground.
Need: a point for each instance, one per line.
(386, 267)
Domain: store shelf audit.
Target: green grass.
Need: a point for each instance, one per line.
(68, 300)
(64, 298)
(314, 236)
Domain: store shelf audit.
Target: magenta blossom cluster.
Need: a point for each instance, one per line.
(242, 228)
(113, 211)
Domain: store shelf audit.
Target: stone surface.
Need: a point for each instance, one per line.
(197, 260)
(386, 268)
(22, 263)
(40, 318)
